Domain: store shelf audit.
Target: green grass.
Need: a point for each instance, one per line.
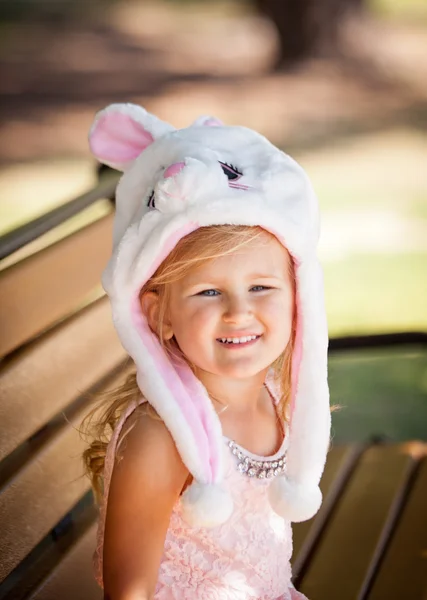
(375, 171)
(413, 10)
(381, 392)
(418, 205)
(376, 293)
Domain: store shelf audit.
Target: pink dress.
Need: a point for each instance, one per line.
(246, 558)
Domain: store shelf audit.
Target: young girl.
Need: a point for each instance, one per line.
(220, 440)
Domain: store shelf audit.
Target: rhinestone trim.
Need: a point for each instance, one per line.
(261, 469)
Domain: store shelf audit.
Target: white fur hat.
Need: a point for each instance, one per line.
(174, 182)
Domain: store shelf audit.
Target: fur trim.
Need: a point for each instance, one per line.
(206, 505)
(294, 501)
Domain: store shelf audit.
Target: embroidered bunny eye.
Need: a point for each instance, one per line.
(151, 201)
(231, 171)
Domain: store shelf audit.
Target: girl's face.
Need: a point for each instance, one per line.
(232, 316)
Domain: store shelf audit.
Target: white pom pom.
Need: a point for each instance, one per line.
(294, 501)
(206, 505)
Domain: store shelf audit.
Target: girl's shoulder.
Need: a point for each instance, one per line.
(144, 437)
(142, 487)
(144, 446)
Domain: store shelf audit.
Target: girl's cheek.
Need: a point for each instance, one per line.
(199, 315)
(275, 303)
(278, 309)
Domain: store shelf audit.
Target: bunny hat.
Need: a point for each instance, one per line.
(175, 181)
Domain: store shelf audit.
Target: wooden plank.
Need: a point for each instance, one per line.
(42, 492)
(73, 577)
(403, 572)
(47, 375)
(45, 558)
(45, 287)
(348, 545)
(340, 462)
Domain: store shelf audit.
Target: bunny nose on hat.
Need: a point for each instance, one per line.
(187, 182)
(171, 187)
(173, 169)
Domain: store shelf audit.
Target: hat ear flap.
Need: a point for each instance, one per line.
(121, 132)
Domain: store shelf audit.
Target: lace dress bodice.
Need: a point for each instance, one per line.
(245, 558)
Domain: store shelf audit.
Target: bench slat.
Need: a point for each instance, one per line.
(349, 542)
(42, 491)
(39, 495)
(340, 462)
(47, 375)
(73, 577)
(47, 286)
(403, 573)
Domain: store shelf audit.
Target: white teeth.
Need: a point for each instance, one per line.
(241, 340)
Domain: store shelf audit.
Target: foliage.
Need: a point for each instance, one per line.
(402, 10)
(381, 392)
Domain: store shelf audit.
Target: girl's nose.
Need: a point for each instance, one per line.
(237, 310)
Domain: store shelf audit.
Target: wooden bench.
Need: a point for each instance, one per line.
(369, 541)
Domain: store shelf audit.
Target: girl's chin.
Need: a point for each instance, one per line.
(233, 371)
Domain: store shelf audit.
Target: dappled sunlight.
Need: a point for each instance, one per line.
(372, 191)
(415, 449)
(34, 188)
(370, 231)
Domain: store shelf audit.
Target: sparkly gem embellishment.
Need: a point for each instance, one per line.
(265, 469)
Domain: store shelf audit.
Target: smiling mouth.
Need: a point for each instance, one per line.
(238, 341)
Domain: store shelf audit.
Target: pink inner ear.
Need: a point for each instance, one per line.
(118, 139)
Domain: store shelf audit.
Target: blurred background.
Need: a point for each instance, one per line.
(341, 85)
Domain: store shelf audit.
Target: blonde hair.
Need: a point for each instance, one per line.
(201, 246)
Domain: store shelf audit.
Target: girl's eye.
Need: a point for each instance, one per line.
(232, 172)
(208, 293)
(259, 288)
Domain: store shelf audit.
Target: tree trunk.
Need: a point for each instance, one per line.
(307, 28)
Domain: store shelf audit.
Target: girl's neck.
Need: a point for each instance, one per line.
(238, 395)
